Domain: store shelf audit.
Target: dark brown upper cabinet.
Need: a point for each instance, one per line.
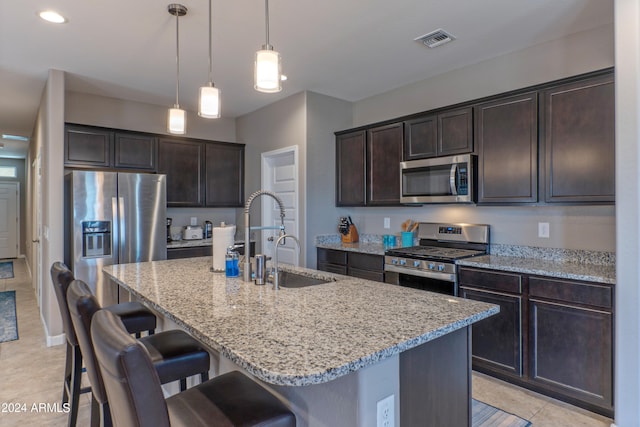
(443, 134)
(99, 148)
(579, 141)
(224, 175)
(506, 134)
(88, 147)
(384, 154)
(135, 151)
(350, 169)
(182, 161)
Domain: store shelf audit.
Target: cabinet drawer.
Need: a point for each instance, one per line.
(198, 251)
(366, 274)
(331, 256)
(572, 292)
(366, 262)
(332, 268)
(506, 282)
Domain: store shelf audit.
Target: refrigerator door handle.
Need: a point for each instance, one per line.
(121, 226)
(115, 235)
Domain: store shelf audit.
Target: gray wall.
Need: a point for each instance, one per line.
(589, 227)
(115, 113)
(627, 322)
(22, 180)
(324, 115)
(279, 125)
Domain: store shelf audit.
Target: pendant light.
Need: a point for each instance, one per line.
(177, 120)
(268, 67)
(209, 96)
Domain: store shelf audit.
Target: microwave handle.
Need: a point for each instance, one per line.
(452, 179)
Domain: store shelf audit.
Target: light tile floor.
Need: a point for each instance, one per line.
(32, 373)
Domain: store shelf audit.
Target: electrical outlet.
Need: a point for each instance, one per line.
(194, 220)
(543, 230)
(387, 222)
(386, 412)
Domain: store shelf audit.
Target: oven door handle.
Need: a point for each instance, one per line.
(452, 179)
(422, 273)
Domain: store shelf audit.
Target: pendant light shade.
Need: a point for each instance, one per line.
(177, 122)
(177, 119)
(268, 71)
(268, 65)
(209, 96)
(209, 102)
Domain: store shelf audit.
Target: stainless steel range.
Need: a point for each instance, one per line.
(431, 265)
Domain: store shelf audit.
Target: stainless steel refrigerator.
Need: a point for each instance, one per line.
(113, 218)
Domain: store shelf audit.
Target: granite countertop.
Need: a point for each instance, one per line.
(590, 266)
(302, 336)
(605, 273)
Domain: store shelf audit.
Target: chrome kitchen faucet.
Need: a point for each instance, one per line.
(246, 274)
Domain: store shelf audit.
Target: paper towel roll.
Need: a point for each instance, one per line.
(222, 238)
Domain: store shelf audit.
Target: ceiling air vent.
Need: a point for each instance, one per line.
(435, 38)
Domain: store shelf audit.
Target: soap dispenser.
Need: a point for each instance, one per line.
(231, 260)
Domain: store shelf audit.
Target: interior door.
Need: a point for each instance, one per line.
(280, 175)
(9, 219)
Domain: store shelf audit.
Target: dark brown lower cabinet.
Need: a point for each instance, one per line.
(497, 341)
(554, 337)
(355, 264)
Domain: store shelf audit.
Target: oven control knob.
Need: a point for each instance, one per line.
(416, 263)
(394, 261)
(431, 266)
(441, 267)
(403, 262)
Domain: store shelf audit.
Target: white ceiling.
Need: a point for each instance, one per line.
(349, 49)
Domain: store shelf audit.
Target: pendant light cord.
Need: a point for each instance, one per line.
(266, 22)
(210, 48)
(177, 59)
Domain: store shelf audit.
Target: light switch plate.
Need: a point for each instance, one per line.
(194, 220)
(387, 222)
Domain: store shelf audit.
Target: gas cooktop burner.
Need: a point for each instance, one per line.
(434, 253)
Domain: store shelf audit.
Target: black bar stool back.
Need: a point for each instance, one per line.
(136, 399)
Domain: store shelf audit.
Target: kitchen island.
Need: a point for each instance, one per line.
(331, 350)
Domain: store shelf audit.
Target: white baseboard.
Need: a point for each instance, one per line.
(52, 340)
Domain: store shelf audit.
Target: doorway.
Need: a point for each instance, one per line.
(9, 219)
(280, 175)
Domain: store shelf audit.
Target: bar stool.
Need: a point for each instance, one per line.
(136, 317)
(175, 355)
(136, 399)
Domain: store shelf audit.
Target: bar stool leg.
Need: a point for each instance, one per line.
(67, 374)
(74, 385)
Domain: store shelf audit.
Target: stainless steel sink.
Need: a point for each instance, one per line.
(294, 280)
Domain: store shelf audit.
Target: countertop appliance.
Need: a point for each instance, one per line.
(431, 265)
(439, 180)
(192, 232)
(113, 218)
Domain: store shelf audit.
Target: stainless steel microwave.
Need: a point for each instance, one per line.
(438, 180)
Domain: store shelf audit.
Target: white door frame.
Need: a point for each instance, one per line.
(17, 213)
(36, 227)
(266, 213)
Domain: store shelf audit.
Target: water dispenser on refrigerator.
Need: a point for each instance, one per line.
(96, 239)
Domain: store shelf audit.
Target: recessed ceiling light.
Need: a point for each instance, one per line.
(14, 137)
(52, 16)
